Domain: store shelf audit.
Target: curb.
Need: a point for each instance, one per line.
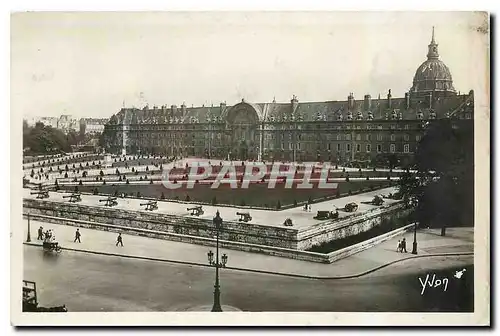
(267, 272)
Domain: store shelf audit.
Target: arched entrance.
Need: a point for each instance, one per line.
(243, 124)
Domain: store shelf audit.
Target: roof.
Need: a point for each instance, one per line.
(372, 109)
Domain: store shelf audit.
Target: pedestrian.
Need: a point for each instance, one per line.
(40, 233)
(310, 208)
(403, 246)
(77, 236)
(119, 240)
(398, 249)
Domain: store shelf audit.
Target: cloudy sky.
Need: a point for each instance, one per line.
(90, 64)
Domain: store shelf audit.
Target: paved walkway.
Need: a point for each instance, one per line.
(430, 242)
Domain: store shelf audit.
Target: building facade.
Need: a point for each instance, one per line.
(92, 125)
(336, 131)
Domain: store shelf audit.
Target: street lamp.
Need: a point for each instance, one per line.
(28, 238)
(414, 250)
(218, 223)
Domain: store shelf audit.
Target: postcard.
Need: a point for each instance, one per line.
(250, 168)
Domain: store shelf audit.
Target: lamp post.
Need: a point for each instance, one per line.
(28, 237)
(414, 250)
(218, 223)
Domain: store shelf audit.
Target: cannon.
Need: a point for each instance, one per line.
(351, 207)
(41, 194)
(151, 205)
(244, 216)
(110, 201)
(73, 198)
(323, 215)
(196, 211)
(288, 222)
(378, 200)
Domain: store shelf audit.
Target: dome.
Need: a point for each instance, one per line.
(432, 75)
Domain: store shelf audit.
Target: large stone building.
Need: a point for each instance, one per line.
(337, 131)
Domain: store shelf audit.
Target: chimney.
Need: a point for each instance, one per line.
(389, 99)
(368, 103)
(350, 101)
(407, 100)
(183, 109)
(294, 102)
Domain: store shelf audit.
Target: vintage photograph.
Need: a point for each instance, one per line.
(250, 162)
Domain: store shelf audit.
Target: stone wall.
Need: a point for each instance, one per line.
(183, 238)
(191, 226)
(276, 241)
(347, 226)
(254, 248)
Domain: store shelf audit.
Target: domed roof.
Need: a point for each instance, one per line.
(433, 74)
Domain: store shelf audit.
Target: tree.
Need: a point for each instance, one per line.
(441, 192)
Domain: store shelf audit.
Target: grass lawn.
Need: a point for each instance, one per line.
(256, 195)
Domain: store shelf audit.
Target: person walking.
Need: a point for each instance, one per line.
(119, 240)
(403, 246)
(398, 249)
(77, 236)
(40, 233)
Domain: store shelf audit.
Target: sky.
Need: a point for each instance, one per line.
(92, 64)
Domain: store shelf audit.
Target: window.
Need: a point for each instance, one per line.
(406, 148)
(379, 137)
(467, 116)
(290, 145)
(368, 137)
(368, 148)
(358, 148)
(407, 127)
(358, 137)
(379, 148)
(418, 137)
(379, 127)
(339, 147)
(348, 147)
(282, 145)
(407, 137)
(298, 145)
(339, 137)
(393, 137)
(329, 146)
(369, 126)
(393, 148)
(393, 126)
(348, 137)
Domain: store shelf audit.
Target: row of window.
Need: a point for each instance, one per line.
(340, 137)
(283, 127)
(358, 147)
